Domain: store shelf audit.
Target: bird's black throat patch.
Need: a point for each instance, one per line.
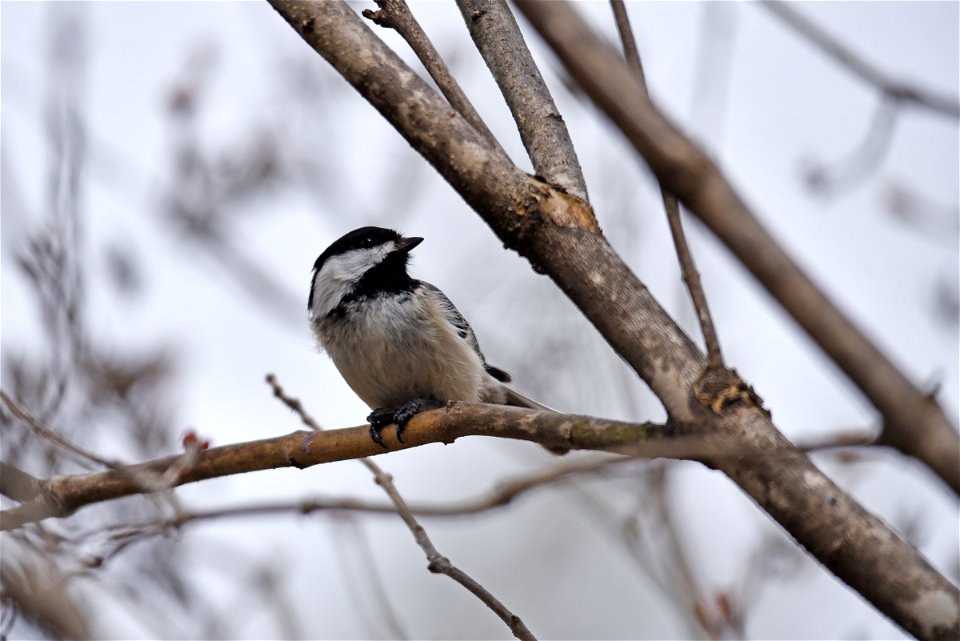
(389, 278)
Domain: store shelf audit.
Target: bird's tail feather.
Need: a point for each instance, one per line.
(519, 400)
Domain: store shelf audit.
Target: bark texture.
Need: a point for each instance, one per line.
(557, 232)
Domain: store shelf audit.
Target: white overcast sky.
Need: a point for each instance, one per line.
(767, 106)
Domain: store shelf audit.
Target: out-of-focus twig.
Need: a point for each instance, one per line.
(17, 484)
(935, 220)
(38, 428)
(41, 596)
(367, 584)
(689, 269)
(898, 90)
(864, 159)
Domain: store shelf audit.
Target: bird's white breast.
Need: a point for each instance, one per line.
(394, 348)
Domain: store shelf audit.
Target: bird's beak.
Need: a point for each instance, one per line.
(405, 245)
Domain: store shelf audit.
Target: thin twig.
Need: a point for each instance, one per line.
(862, 161)
(691, 277)
(53, 436)
(375, 588)
(396, 15)
(440, 564)
(44, 504)
(293, 403)
(436, 562)
(504, 494)
(867, 71)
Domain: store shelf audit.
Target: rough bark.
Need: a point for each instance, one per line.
(558, 234)
(544, 133)
(913, 422)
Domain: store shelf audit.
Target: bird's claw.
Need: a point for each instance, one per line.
(381, 417)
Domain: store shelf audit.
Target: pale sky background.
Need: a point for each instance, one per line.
(766, 104)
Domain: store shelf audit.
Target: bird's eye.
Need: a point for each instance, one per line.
(367, 242)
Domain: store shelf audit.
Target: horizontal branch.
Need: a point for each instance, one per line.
(60, 496)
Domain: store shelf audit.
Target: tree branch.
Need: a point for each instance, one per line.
(687, 266)
(558, 234)
(545, 137)
(17, 409)
(62, 495)
(866, 71)
(913, 421)
(17, 484)
(503, 495)
(396, 15)
(440, 564)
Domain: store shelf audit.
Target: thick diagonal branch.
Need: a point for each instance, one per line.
(558, 234)
(913, 422)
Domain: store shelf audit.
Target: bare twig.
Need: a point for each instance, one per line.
(440, 564)
(689, 269)
(374, 589)
(861, 162)
(53, 436)
(436, 562)
(682, 570)
(545, 137)
(901, 91)
(500, 497)
(293, 403)
(395, 14)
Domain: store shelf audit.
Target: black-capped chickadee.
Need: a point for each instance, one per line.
(400, 343)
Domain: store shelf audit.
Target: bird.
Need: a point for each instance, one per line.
(399, 342)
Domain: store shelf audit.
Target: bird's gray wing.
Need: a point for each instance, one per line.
(464, 331)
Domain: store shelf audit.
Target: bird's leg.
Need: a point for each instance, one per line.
(383, 416)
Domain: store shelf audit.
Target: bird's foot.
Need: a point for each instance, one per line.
(382, 416)
(411, 409)
(379, 419)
